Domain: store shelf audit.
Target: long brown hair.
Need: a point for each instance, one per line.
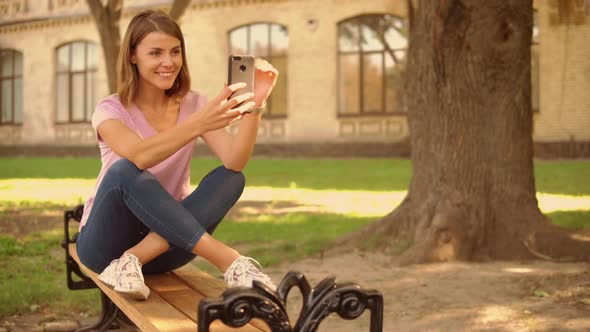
(128, 76)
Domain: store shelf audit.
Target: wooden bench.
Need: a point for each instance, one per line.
(171, 306)
(189, 299)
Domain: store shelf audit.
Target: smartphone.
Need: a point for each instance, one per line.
(241, 69)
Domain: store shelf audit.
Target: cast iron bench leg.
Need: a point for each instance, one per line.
(111, 316)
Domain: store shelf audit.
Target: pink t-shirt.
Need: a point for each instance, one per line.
(173, 172)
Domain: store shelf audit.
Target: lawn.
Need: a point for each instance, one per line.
(289, 210)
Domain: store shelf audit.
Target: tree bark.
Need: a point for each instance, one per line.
(468, 94)
(178, 8)
(107, 22)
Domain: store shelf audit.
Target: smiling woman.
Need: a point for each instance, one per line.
(142, 216)
(152, 56)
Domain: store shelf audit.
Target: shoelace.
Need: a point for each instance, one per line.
(250, 268)
(134, 271)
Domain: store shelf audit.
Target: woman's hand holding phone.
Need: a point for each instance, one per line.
(259, 74)
(220, 111)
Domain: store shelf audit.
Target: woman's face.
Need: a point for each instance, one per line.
(159, 59)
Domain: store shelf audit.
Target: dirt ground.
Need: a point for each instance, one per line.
(498, 296)
(457, 296)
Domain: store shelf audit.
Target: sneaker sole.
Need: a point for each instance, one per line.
(106, 281)
(136, 294)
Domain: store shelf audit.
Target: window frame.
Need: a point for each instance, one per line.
(12, 78)
(70, 74)
(269, 57)
(361, 55)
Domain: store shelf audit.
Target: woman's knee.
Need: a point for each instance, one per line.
(233, 179)
(227, 178)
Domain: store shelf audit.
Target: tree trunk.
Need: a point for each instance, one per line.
(468, 94)
(107, 22)
(178, 8)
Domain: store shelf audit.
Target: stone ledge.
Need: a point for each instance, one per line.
(543, 150)
(311, 150)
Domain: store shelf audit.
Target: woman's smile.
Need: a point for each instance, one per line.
(166, 74)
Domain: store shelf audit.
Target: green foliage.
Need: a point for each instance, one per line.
(32, 271)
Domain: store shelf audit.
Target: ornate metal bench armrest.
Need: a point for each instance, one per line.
(237, 306)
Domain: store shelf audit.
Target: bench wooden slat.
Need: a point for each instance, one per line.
(209, 286)
(153, 315)
(200, 281)
(173, 301)
(185, 299)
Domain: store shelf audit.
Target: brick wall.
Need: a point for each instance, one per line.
(564, 110)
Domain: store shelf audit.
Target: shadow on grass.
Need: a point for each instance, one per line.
(32, 260)
(23, 218)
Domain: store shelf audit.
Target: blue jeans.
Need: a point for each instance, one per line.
(130, 202)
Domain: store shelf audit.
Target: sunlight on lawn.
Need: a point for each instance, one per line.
(58, 191)
(350, 202)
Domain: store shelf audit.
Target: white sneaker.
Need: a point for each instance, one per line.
(242, 272)
(129, 279)
(109, 275)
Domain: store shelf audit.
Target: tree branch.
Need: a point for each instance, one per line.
(114, 8)
(178, 8)
(107, 23)
(96, 8)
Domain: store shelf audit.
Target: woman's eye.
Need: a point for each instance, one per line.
(155, 53)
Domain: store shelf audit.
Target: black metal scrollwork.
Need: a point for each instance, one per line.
(239, 305)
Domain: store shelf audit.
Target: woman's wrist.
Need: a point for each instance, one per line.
(259, 109)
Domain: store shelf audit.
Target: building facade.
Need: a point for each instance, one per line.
(341, 64)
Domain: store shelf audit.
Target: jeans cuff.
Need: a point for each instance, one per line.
(193, 242)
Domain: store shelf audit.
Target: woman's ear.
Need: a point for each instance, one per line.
(132, 59)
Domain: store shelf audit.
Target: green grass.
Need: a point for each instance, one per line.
(32, 271)
(565, 177)
(287, 237)
(349, 174)
(578, 219)
(385, 174)
(51, 168)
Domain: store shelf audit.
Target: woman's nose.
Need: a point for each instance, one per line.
(167, 60)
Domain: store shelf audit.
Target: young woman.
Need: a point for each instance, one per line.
(142, 216)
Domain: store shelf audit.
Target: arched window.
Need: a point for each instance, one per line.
(11, 80)
(268, 41)
(76, 66)
(371, 62)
